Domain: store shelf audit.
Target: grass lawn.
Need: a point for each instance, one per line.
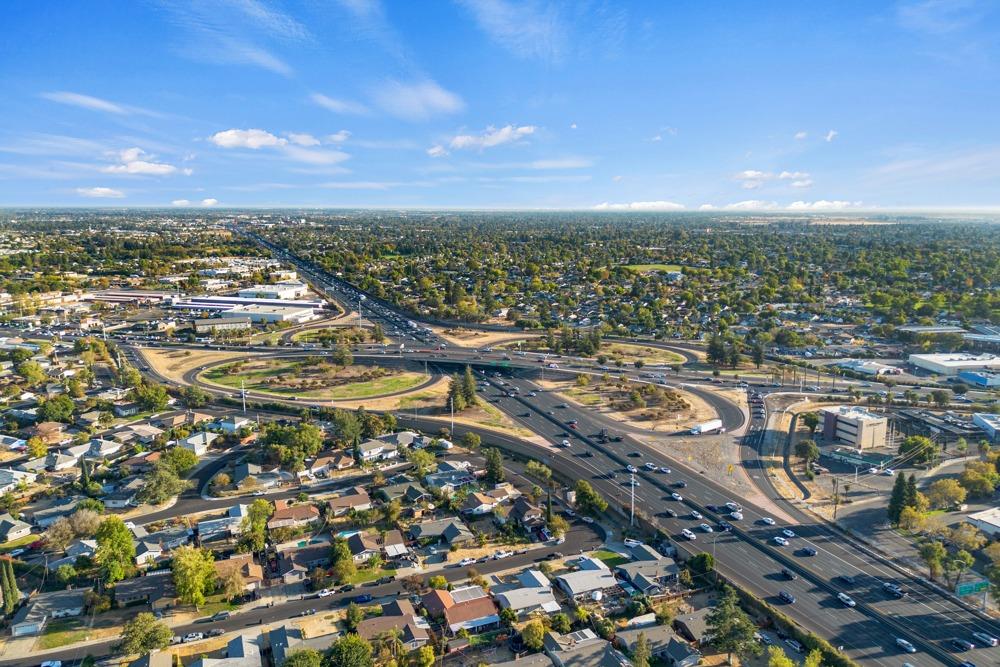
(648, 354)
(647, 268)
(62, 632)
(366, 574)
(610, 558)
(255, 381)
(20, 542)
(584, 396)
(214, 604)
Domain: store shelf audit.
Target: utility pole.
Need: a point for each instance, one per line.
(243, 394)
(451, 400)
(631, 516)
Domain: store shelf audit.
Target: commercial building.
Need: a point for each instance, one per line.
(854, 426)
(980, 378)
(988, 521)
(291, 289)
(953, 363)
(272, 314)
(990, 425)
(214, 324)
(868, 367)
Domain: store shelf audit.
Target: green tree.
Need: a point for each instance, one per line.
(304, 657)
(351, 651)
(423, 656)
(469, 386)
(342, 356)
(777, 658)
(194, 573)
(811, 421)
(66, 573)
(353, 616)
(897, 499)
(933, 554)
(194, 397)
(57, 409)
(438, 582)
(161, 484)
(731, 629)
(37, 447)
(945, 493)
(642, 652)
(152, 396)
(560, 623)
(912, 496)
(423, 461)
(807, 450)
(343, 561)
(702, 563)
(471, 441)
(253, 528)
(142, 634)
(533, 635)
(180, 459)
(494, 466)
(31, 372)
(587, 499)
(918, 449)
(115, 550)
(813, 659)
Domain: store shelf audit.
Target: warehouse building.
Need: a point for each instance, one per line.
(980, 378)
(214, 324)
(990, 425)
(987, 521)
(951, 364)
(854, 426)
(273, 314)
(288, 290)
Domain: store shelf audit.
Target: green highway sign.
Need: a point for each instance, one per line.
(971, 587)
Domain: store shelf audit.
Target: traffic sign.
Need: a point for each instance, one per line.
(971, 587)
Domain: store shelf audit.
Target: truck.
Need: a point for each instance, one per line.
(710, 426)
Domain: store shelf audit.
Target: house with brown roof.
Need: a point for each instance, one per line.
(141, 463)
(251, 572)
(478, 504)
(51, 433)
(287, 515)
(356, 499)
(363, 546)
(398, 615)
(468, 607)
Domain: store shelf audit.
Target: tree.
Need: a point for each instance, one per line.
(456, 397)
(391, 512)
(471, 441)
(343, 561)
(941, 397)
(933, 554)
(558, 526)
(807, 450)
(469, 386)
(161, 484)
(918, 449)
(897, 500)
(423, 656)
(966, 536)
(57, 409)
(533, 635)
(59, 533)
(342, 356)
(8, 585)
(438, 582)
(731, 629)
(423, 461)
(494, 466)
(31, 372)
(811, 421)
(958, 565)
(253, 528)
(353, 616)
(180, 459)
(757, 354)
(115, 550)
(37, 447)
(911, 519)
(305, 657)
(142, 634)
(641, 653)
(233, 583)
(84, 522)
(813, 659)
(152, 396)
(777, 658)
(351, 651)
(588, 500)
(946, 493)
(194, 573)
(65, 573)
(194, 397)
(702, 563)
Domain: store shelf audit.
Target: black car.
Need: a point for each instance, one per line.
(725, 526)
(635, 455)
(848, 579)
(808, 551)
(680, 484)
(788, 574)
(712, 508)
(669, 513)
(960, 644)
(787, 597)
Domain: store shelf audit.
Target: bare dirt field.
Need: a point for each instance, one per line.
(173, 364)
(475, 338)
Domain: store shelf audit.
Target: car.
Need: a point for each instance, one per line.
(568, 512)
(705, 528)
(553, 556)
(326, 592)
(257, 493)
(688, 534)
(176, 639)
(965, 663)
(466, 561)
(633, 482)
(52, 663)
(725, 526)
(779, 540)
(650, 465)
(193, 637)
(808, 551)
(788, 574)
(960, 644)
(17, 552)
(763, 638)
(676, 496)
(360, 599)
(848, 579)
(680, 484)
(734, 507)
(586, 519)
(216, 632)
(985, 639)
(888, 472)
(846, 600)
(635, 455)
(631, 468)
(893, 589)
(532, 394)
(736, 516)
(788, 532)
(565, 443)
(767, 521)
(787, 597)
(669, 512)
(905, 645)
(500, 555)
(695, 514)
(347, 588)
(665, 470)
(796, 646)
(307, 612)
(873, 471)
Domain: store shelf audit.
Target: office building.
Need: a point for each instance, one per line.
(854, 426)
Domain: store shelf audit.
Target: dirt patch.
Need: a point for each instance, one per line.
(476, 338)
(173, 364)
(631, 352)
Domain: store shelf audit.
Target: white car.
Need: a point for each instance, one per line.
(650, 465)
(326, 592)
(17, 552)
(676, 496)
(665, 470)
(888, 472)
(565, 443)
(705, 528)
(985, 639)
(733, 507)
(688, 534)
(466, 561)
(695, 514)
(778, 539)
(502, 554)
(586, 519)
(788, 532)
(193, 637)
(873, 471)
(631, 468)
(258, 493)
(568, 512)
(846, 599)
(767, 521)
(905, 645)
(736, 516)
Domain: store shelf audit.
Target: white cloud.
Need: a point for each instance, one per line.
(251, 138)
(803, 183)
(526, 29)
(416, 101)
(209, 202)
(180, 202)
(337, 105)
(100, 193)
(131, 164)
(572, 126)
(822, 205)
(85, 102)
(830, 136)
(792, 175)
(303, 139)
(706, 207)
(313, 156)
(437, 151)
(657, 137)
(491, 137)
(752, 205)
(799, 136)
(561, 163)
(640, 206)
(751, 179)
(338, 137)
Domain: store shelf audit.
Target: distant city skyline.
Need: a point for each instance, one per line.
(502, 104)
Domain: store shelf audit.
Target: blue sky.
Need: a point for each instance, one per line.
(501, 103)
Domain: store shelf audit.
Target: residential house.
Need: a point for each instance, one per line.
(363, 546)
(287, 515)
(592, 577)
(407, 493)
(225, 527)
(526, 515)
(693, 626)
(147, 553)
(199, 442)
(251, 475)
(13, 443)
(11, 479)
(533, 595)
(180, 418)
(356, 499)
(101, 449)
(582, 648)
(371, 451)
(234, 424)
(295, 565)
(241, 651)
(145, 433)
(155, 589)
(140, 463)
(478, 504)
(651, 574)
(329, 461)
(32, 618)
(46, 516)
(663, 644)
(12, 529)
(469, 608)
(398, 615)
(126, 494)
(394, 545)
(452, 531)
(51, 433)
(251, 572)
(126, 408)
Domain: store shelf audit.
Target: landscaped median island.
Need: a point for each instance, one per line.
(313, 377)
